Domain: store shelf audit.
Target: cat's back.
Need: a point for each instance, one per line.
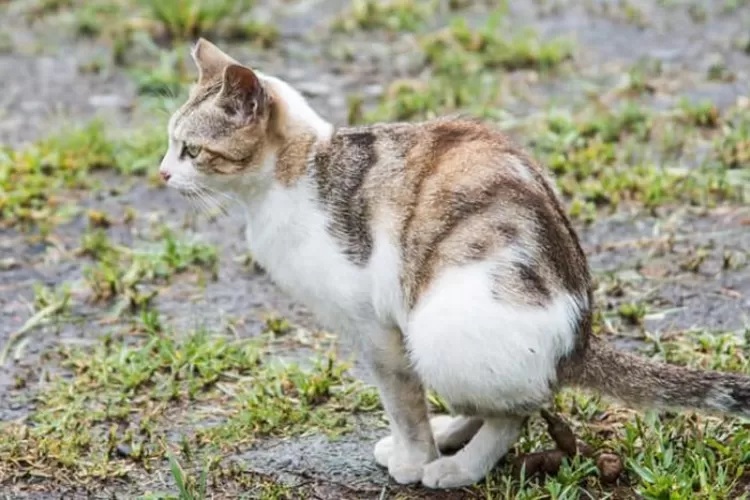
(450, 191)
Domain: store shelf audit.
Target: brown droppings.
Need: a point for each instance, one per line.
(610, 467)
(544, 463)
(548, 462)
(560, 432)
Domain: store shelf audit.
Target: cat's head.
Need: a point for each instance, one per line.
(221, 135)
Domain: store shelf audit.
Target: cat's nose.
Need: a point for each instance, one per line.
(165, 175)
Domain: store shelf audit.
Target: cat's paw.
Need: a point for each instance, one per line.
(447, 472)
(404, 467)
(406, 470)
(384, 450)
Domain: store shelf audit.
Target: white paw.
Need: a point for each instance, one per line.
(446, 472)
(384, 450)
(442, 424)
(405, 471)
(404, 467)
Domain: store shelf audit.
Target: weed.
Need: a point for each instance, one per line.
(188, 19)
(732, 148)
(32, 178)
(412, 99)
(39, 184)
(168, 77)
(719, 71)
(92, 17)
(186, 486)
(640, 75)
(82, 427)
(128, 275)
(702, 114)
(593, 167)
(459, 57)
(469, 48)
(633, 313)
(277, 326)
(393, 15)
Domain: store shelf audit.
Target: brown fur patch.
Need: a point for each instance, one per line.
(341, 168)
(292, 159)
(474, 193)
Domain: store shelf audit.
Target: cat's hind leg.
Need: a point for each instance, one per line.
(472, 463)
(489, 357)
(403, 397)
(450, 432)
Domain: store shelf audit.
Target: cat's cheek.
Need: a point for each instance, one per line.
(178, 173)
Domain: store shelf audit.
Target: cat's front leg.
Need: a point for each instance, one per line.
(403, 397)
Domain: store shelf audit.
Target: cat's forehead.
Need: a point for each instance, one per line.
(200, 121)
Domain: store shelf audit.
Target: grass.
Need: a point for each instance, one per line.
(392, 15)
(115, 409)
(33, 177)
(487, 48)
(732, 148)
(186, 20)
(667, 455)
(123, 405)
(41, 183)
(464, 67)
(130, 278)
(600, 161)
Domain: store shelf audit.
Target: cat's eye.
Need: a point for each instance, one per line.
(191, 150)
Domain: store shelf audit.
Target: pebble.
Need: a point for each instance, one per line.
(123, 450)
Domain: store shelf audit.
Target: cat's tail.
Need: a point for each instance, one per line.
(640, 382)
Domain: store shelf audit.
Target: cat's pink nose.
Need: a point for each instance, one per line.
(165, 175)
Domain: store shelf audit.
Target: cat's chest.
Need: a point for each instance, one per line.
(288, 237)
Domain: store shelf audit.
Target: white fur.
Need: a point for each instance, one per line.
(477, 351)
(298, 110)
(474, 461)
(287, 235)
(384, 269)
(450, 434)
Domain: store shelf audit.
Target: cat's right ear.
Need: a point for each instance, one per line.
(242, 94)
(210, 60)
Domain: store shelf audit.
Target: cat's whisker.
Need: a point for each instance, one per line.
(210, 201)
(191, 192)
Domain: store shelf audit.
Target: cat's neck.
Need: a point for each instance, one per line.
(297, 130)
(294, 115)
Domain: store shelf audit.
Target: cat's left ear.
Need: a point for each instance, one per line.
(242, 93)
(210, 60)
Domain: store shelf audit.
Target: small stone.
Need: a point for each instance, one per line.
(9, 263)
(314, 88)
(108, 101)
(123, 450)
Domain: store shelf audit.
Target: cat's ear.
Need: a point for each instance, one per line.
(210, 60)
(242, 94)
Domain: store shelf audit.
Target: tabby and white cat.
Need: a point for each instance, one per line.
(441, 247)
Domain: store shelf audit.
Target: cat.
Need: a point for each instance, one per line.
(441, 247)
